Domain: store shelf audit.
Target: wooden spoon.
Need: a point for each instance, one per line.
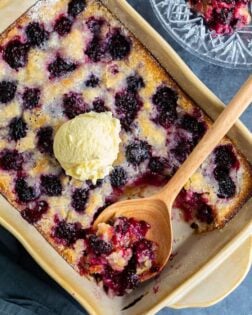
(156, 210)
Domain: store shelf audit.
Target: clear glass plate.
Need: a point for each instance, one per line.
(188, 29)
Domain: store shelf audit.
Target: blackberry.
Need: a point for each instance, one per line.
(113, 280)
(165, 99)
(31, 98)
(224, 156)
(63, 25)
(227, 188)
(50, 185)
(166, 118)
(122, 225)
(127, 107)
(95, 25)
(135, 83)
(60, 67)
(17, 128)
(194, 126)
(75, 7)
(205, 214)
(24, 192)
(79, 199)
(94, 49)
(126, 102)
(138, 228)
(7, 91)
(36, 34)
(98, 106)
(118, 177)
(74, 105)
(131, 279)
(35, 214)
(221, 172)
(67, 233)
(15, 54)
(45, 140)
(99, 246)
(182, 150)
(156, 165)
(137, 152)
(11, 160)
(143, 247)
(118, 45)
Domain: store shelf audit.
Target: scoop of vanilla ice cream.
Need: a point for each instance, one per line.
(87, 145)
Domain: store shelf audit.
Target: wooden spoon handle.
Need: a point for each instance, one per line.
(207, 144)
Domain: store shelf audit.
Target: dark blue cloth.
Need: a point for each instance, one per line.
(24, 288)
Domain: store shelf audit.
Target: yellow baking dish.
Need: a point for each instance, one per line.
(207, 267)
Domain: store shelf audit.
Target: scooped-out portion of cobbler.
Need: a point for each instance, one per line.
(65, 58)
(118, 255)
(223, 16)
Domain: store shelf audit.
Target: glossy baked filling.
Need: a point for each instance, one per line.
(118, 255)
(65, 58)
(223, 16)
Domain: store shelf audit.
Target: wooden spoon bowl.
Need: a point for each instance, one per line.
(156, 210)
(153, 211)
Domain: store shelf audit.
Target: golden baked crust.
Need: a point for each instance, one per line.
(162, 137)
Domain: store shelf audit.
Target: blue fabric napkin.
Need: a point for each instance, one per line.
(25, 289)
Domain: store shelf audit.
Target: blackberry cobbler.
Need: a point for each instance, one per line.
(65, 58)
(223, 16)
